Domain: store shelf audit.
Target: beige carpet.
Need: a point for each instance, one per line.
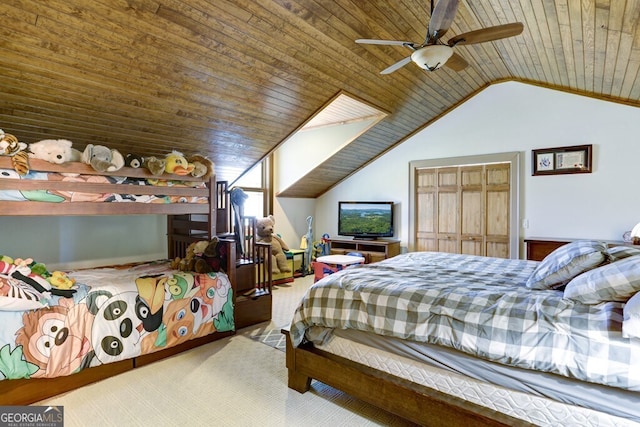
(236, 381)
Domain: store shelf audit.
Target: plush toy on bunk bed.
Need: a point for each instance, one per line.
(29, 278)
(202, 167)
(132, 160)
(154, 165)
(189, 261)
(264, 232)
(202, 257)
(102, 158)
(177, 164)
(10, 146)
(56, 151)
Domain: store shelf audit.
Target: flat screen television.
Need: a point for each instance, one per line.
(365, 220)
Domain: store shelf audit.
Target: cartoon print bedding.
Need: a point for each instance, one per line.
(109, 314)
(60, 195)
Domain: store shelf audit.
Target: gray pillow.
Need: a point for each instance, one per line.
(617, 253)
(617, 281)
(566, 262)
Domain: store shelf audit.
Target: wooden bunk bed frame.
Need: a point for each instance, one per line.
(186, 223)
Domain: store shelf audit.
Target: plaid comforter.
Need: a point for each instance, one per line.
(480, 306)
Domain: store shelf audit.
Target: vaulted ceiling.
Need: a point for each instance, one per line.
(233, 79)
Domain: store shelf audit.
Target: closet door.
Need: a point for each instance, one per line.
(463, 209)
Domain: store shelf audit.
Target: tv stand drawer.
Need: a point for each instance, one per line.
(371, 250)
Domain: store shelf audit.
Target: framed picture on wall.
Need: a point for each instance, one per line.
(561, 160)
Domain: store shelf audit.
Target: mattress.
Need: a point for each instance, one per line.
(441, 375)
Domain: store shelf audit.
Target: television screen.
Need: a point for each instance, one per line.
(365, 219)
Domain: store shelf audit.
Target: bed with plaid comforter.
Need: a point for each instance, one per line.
(480, 306)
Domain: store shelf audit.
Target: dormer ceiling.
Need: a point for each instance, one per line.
(233, 79)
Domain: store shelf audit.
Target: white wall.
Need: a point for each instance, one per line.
(305, 150)
(517, 117)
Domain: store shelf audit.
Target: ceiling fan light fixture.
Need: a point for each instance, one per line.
(432, 57)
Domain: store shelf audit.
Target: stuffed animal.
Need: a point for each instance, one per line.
(264, 233)
(133, 160)
(9, 146)
(154, 165)
(54, 151)
(102, 158)
(211, 259)
(202, 167)
(177, 164)
(189, 261)
(59, 280)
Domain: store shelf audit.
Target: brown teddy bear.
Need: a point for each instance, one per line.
(202, 257)
(264, 231)
(189, 261)
(211, 258)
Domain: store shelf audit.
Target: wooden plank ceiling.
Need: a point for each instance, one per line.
(233, 79)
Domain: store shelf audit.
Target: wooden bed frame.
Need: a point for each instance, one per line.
(186, 223)
(414, 402)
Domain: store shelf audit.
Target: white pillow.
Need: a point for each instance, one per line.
(631, 317)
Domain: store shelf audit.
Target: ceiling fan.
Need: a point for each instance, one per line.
(433, 53)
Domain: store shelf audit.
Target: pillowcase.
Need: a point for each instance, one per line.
(566, 262)
(631, 317)
(617, 281)
(617, 253)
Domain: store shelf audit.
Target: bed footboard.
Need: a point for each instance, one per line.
(408, 400)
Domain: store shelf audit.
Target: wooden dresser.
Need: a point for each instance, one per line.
(539, 247)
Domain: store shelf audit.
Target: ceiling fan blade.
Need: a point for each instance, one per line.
(384, 42)
(456, 62)
(396, 66)
(441, 19)
(488, 34)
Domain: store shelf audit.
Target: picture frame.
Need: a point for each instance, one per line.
(561, 160)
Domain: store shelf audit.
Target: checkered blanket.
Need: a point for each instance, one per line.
(480, 306)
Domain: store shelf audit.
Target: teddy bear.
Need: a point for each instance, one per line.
(133, 160)
(102, 158)
(211, 258)
(202, 257)
(264, 233)
(57, 151)
(188, 262)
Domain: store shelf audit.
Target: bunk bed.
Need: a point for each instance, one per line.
(446, 339)
(192, 207)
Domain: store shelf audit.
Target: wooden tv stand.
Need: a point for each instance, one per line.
(371, 250)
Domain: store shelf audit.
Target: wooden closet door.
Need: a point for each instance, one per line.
(472, 210)
(426, 213)
(463, 209)
(498, 211)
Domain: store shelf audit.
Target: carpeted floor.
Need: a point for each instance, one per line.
(236, 381)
